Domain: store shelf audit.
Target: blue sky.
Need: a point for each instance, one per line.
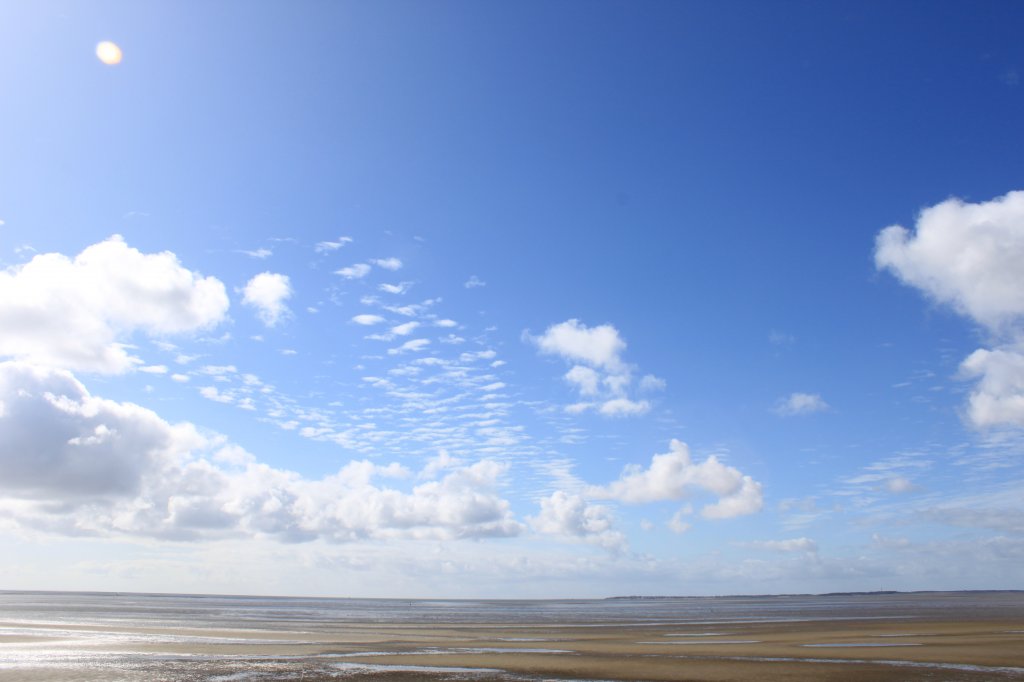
(462, 299)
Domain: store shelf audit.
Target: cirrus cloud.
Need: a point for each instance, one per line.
(328, 246)
(356, 271)
(414, 346)
(387, 263)
(800, 403)
(792, 545)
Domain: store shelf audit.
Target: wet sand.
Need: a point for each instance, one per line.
(915, 648)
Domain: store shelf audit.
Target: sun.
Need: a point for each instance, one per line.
(108, 53)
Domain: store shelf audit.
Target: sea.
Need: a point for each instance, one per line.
(106, 636)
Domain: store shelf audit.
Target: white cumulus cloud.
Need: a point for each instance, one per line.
(966, 255)
(598, 373)
(73, 463)
(998, 397)
(267, 293)
(624, 407)
(80, 313)
(367, 319)
(674, 476)
(58, 442)
(745, 500)
(585, 379)
(969, 256)
(599, 346)
(404, 329)
(572, 516)
(212, 393)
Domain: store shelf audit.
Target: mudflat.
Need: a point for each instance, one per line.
(884, 648)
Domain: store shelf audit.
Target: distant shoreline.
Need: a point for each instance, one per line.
(780, 595)
(816, 594)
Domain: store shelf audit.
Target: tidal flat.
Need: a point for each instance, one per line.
(898, 636)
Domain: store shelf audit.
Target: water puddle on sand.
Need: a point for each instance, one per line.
(713, 641)
(858, 645)
(367, 667)
(965, 667)
(355, 669)
(456, 651)
(508, 650)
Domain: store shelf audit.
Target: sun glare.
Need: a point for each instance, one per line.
(108, 53)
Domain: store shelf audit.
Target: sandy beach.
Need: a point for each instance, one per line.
(885, 648)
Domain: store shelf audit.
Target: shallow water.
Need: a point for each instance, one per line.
(287, 613)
